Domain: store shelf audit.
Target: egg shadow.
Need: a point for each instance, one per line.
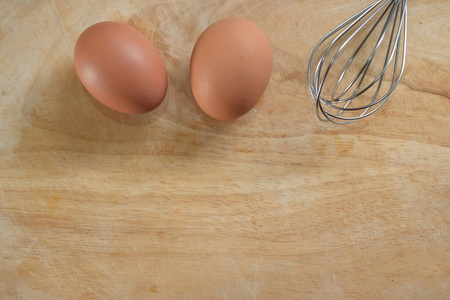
(58, 104)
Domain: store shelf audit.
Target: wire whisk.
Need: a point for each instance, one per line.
(350, 80)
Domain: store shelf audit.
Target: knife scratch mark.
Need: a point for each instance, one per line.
(94, 292)
(113, 279)
(103, 268)
(256, 280)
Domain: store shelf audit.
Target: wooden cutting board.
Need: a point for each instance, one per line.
(174, 205)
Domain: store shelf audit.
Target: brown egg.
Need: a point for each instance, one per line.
(231, 66)
(120, 67)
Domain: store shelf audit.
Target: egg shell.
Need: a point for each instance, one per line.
(120, 67)
(231, 65)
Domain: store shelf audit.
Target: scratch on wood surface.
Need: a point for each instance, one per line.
(332, 8)
(102, 267)
(53, 5)
(34, 275)
(95, 292)
(113, 279)
(60, 291)
(255, 291)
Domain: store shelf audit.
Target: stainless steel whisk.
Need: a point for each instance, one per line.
(347, 99)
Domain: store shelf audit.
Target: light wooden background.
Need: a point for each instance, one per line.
(174, 205)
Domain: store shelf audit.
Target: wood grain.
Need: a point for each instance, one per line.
(174, 205)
